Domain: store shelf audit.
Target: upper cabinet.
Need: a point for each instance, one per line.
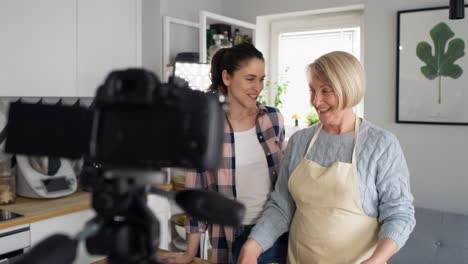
(218, 23)
(109, 38)
(65, 48)
(37, 47)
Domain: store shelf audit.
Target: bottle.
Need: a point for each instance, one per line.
(237, 37)
(226, 41)
(215, 47)
(209, 37)
(7, 181)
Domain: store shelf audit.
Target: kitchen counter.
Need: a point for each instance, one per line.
(39, 209)
(195, 261)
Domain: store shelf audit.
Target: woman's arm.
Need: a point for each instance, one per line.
(279, 209)
(197, 180)
(278, 213)
(396, 210)
(194, 228)
(250, 252)
(193, 242)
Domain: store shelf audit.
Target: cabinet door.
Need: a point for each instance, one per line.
(161, 209)
(109, 38)
(69, 224)
(37, 48)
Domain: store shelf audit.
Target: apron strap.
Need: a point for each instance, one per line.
(356, 133)
(314, 138)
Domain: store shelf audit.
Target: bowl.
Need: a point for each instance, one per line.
(178, 221)
(180, 230)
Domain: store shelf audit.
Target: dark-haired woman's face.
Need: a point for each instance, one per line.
(246, 84)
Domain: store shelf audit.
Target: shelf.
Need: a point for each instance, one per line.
(208, 18)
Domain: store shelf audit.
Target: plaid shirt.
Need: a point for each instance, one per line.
(270, 134)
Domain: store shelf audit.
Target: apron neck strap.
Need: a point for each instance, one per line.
(356, 132)
(314, 138)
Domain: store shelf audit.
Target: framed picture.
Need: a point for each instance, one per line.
(432, 67)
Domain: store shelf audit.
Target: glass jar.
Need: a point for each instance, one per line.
(7, 181)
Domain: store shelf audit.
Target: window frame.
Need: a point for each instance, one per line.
(311, 22)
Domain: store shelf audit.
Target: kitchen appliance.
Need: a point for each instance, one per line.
(35, 184)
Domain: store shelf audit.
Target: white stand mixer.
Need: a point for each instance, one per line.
(34, 184)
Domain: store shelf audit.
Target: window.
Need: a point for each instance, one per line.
(298, 42)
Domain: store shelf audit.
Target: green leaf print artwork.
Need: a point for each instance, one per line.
(442, 62)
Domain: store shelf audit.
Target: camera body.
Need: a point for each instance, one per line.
(144, 123)
(135, 121)
(134, 125)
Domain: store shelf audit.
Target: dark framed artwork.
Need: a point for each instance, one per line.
(432, 67)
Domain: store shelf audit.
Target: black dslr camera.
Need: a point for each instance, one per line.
(135, 124)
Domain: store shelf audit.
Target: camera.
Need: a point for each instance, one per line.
(135, 124)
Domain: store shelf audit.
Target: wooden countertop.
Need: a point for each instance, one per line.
(195, 261)
(39, 209)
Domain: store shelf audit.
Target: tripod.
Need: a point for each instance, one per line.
(129, 231)
(125, 229)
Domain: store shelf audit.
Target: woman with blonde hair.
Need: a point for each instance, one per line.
(343, 190)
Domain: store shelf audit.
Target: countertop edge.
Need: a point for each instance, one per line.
(77, 202)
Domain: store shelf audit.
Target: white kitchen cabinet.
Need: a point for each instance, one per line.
(208, 18)
(65, 48)
(162, 209)
(109, 36)
(37, 47)
(13, 242)
(69, 224)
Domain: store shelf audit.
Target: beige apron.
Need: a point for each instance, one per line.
(329, 225)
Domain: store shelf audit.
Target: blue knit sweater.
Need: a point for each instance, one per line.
(383, 174)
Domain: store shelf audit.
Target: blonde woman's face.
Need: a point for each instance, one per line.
(246, 84)
(324, 100)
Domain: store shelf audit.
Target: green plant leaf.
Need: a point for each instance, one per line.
(281, 89)
(455, 51)
(312, 118)
(441, 63)
(424, 52)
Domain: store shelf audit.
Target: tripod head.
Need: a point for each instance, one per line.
(128, 230)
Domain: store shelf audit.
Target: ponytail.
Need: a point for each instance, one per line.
(216, 71)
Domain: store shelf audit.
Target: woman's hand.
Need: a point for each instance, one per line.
(370, 261)
(175, 257)
(250, 252)
(193, 241)
(386, 248)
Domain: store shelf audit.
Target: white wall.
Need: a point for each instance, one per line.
(437, 155)
(153, 12)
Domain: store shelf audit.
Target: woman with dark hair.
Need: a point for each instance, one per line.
(252, 148)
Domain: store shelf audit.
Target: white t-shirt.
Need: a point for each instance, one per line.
(253, 183)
